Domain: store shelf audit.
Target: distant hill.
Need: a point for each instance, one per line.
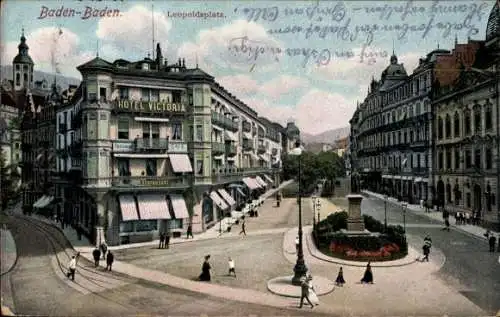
(64, 82)
(328, 137)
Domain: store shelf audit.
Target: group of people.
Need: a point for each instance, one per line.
(206, 276)
(106, 255)
(164, 241)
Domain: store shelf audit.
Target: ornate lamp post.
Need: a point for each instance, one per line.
(385, 213)
(300, 268)
(404, 206)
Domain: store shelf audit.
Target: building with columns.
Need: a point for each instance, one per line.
(467, 130)
(146, 147)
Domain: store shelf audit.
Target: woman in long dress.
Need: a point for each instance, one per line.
(205, 270)
(311, 293)
(340, 278)
(368, 276)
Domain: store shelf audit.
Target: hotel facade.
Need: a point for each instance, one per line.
(148, 147)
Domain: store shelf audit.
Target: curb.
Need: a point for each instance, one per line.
(16, 256)
(415, 212)
(349, 263)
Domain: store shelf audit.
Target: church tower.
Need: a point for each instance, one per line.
(22, 67)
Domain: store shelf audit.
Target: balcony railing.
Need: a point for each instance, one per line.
(151, 144)
(218, 148)
(62, 128)
(138, 181)
(226, 175)
(225, 122)
(420, 170)
(247, 146)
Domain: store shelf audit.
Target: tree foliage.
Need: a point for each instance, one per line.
(314, 167)
(6, 181)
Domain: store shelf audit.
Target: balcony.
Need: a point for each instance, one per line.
(419, 144)
(144, 144)
(274, 152)
(228, 175)
(177, 147)
(75, 149)
(128, 182)
(224, 122)
(62, 128)
(247, 127)
(261, 149)
(231, 150)
(123, 146)
(218, 148)
(420, 171)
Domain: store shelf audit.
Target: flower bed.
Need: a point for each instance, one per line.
(388, 252)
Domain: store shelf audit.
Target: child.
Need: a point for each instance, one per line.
(340, 278)
(231, 267)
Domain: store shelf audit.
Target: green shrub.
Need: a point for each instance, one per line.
(361, 243)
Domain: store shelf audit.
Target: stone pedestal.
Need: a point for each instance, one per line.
(355, 222)
(99, 235)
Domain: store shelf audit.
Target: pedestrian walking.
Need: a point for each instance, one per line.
(312, 292)
(492, 241)
(72, 267)
(167, 240)
(104, 249)
(446, 216)
(205, 270)
(79, 231)
(230, 262)
(109, 260)
(304, 293)
(368, 276)
(339, 281)
(189, 232)
(162, 241)
(427, 248)
(243, 228)
(97, 255)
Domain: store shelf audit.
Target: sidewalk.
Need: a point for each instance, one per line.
(472, 230)
(8, 261)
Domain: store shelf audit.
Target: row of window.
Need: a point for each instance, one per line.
(147, 94)
(413, 160)
(455, 196)
(451, 159)
(444, 128)
(395, 115)
(395, 137)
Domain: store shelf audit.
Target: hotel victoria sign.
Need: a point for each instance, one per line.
(149, 106)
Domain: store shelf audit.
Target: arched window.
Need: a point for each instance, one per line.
(488, 115)
(456, 125)
(477, 118)
(448, 126)
(467, 122)
(448, 192)
(440, 128)
(18, 79)
(25, 77)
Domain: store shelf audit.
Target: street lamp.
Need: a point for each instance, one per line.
(404, 206)
(300, 268)
(385, 213)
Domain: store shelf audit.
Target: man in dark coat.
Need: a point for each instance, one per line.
(109, 260)
(492, 241)
(189, 232)
(167, 240)
(162, 241)
(427, 248)
(97, 255)
(104, 249)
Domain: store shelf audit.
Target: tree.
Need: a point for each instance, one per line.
(6, 184)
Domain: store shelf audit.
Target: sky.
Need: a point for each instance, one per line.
(306, 61)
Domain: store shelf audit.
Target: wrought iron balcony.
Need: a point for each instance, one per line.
(247, 126)
(420, 170)
(247, 146)
(151, 144)
(127, 182)
(218, 148)
(227, 175)
(223, 121)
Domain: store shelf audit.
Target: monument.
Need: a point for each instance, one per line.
(355, 222)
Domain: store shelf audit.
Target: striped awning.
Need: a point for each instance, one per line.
(260, 181)
(250, 183)
(153, 206)
(218, 200)
(179, 206)
(241, 192)
(180, 163)
(256, 183)
(227, 197)
(269, 179)
(228, 135)
(263, 158)
(128, 208)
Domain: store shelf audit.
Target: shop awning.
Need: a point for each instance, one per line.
(180, 163)
(228, 135)
(218, 200)
(256, 183)
(231, 159)
(40, 200)
(218, 157)
(254, 156)
(260, 181)
(425, 180)
(153, 206)
(397, 177)
(43, 202)
(179, 206)
(241, 192)
(269, 179)
(262, 157)
(227, 197)
(247, 135)
(128, 208)
(250, 184)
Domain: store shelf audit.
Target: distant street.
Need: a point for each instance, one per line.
(469, 267)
